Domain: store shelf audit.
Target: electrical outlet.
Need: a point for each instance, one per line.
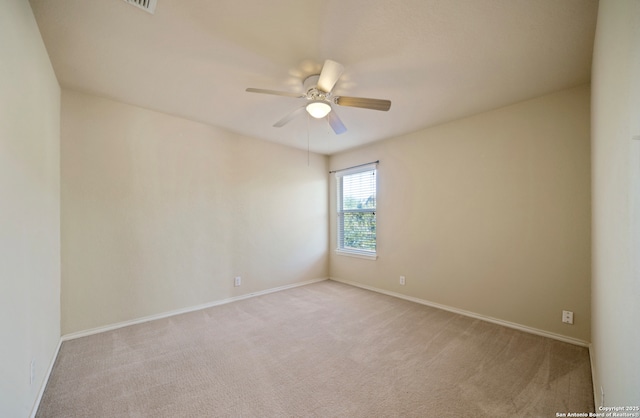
(567, 317)
(402, 280)
(237, 281)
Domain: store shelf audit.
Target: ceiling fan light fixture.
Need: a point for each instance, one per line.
(318, 109)
(319, 99)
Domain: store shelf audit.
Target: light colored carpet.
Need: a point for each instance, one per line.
(321, 350)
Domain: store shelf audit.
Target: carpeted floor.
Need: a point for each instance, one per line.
(321, 350)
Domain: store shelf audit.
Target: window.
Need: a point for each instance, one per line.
(356, 205)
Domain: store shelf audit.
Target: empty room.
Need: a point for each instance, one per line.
(295, 208)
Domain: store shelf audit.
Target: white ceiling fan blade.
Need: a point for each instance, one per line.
(374, 104)
(289, 117)
(275, 92)
(331, 72)
(335, 122)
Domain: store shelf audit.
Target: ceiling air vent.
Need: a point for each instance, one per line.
(146, 5)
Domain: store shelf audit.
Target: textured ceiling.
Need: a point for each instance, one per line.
(436, 60)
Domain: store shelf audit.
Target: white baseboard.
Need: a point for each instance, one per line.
(597, 396)
(43, 386)
(508, 324)
(111, 327)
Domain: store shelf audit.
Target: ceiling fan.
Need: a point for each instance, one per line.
(319, 99)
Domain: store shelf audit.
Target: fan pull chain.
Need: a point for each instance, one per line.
(308, 146)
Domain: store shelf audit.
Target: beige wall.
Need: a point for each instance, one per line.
(488, 214)
(160, 213)
(29, 209)
(616, 203)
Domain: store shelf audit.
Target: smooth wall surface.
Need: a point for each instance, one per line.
(29, 210)
(616, 203)
(488, 214)
(160, 213)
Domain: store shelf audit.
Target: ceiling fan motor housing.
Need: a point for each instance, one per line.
(312, 92)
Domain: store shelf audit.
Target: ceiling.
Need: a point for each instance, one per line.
(436, 60)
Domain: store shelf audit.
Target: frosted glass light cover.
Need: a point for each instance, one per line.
(318, 109)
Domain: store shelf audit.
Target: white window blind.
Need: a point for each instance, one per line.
(357, 210)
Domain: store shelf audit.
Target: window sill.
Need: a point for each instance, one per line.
(357, 255)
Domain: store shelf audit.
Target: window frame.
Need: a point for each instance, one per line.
(340, 248)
